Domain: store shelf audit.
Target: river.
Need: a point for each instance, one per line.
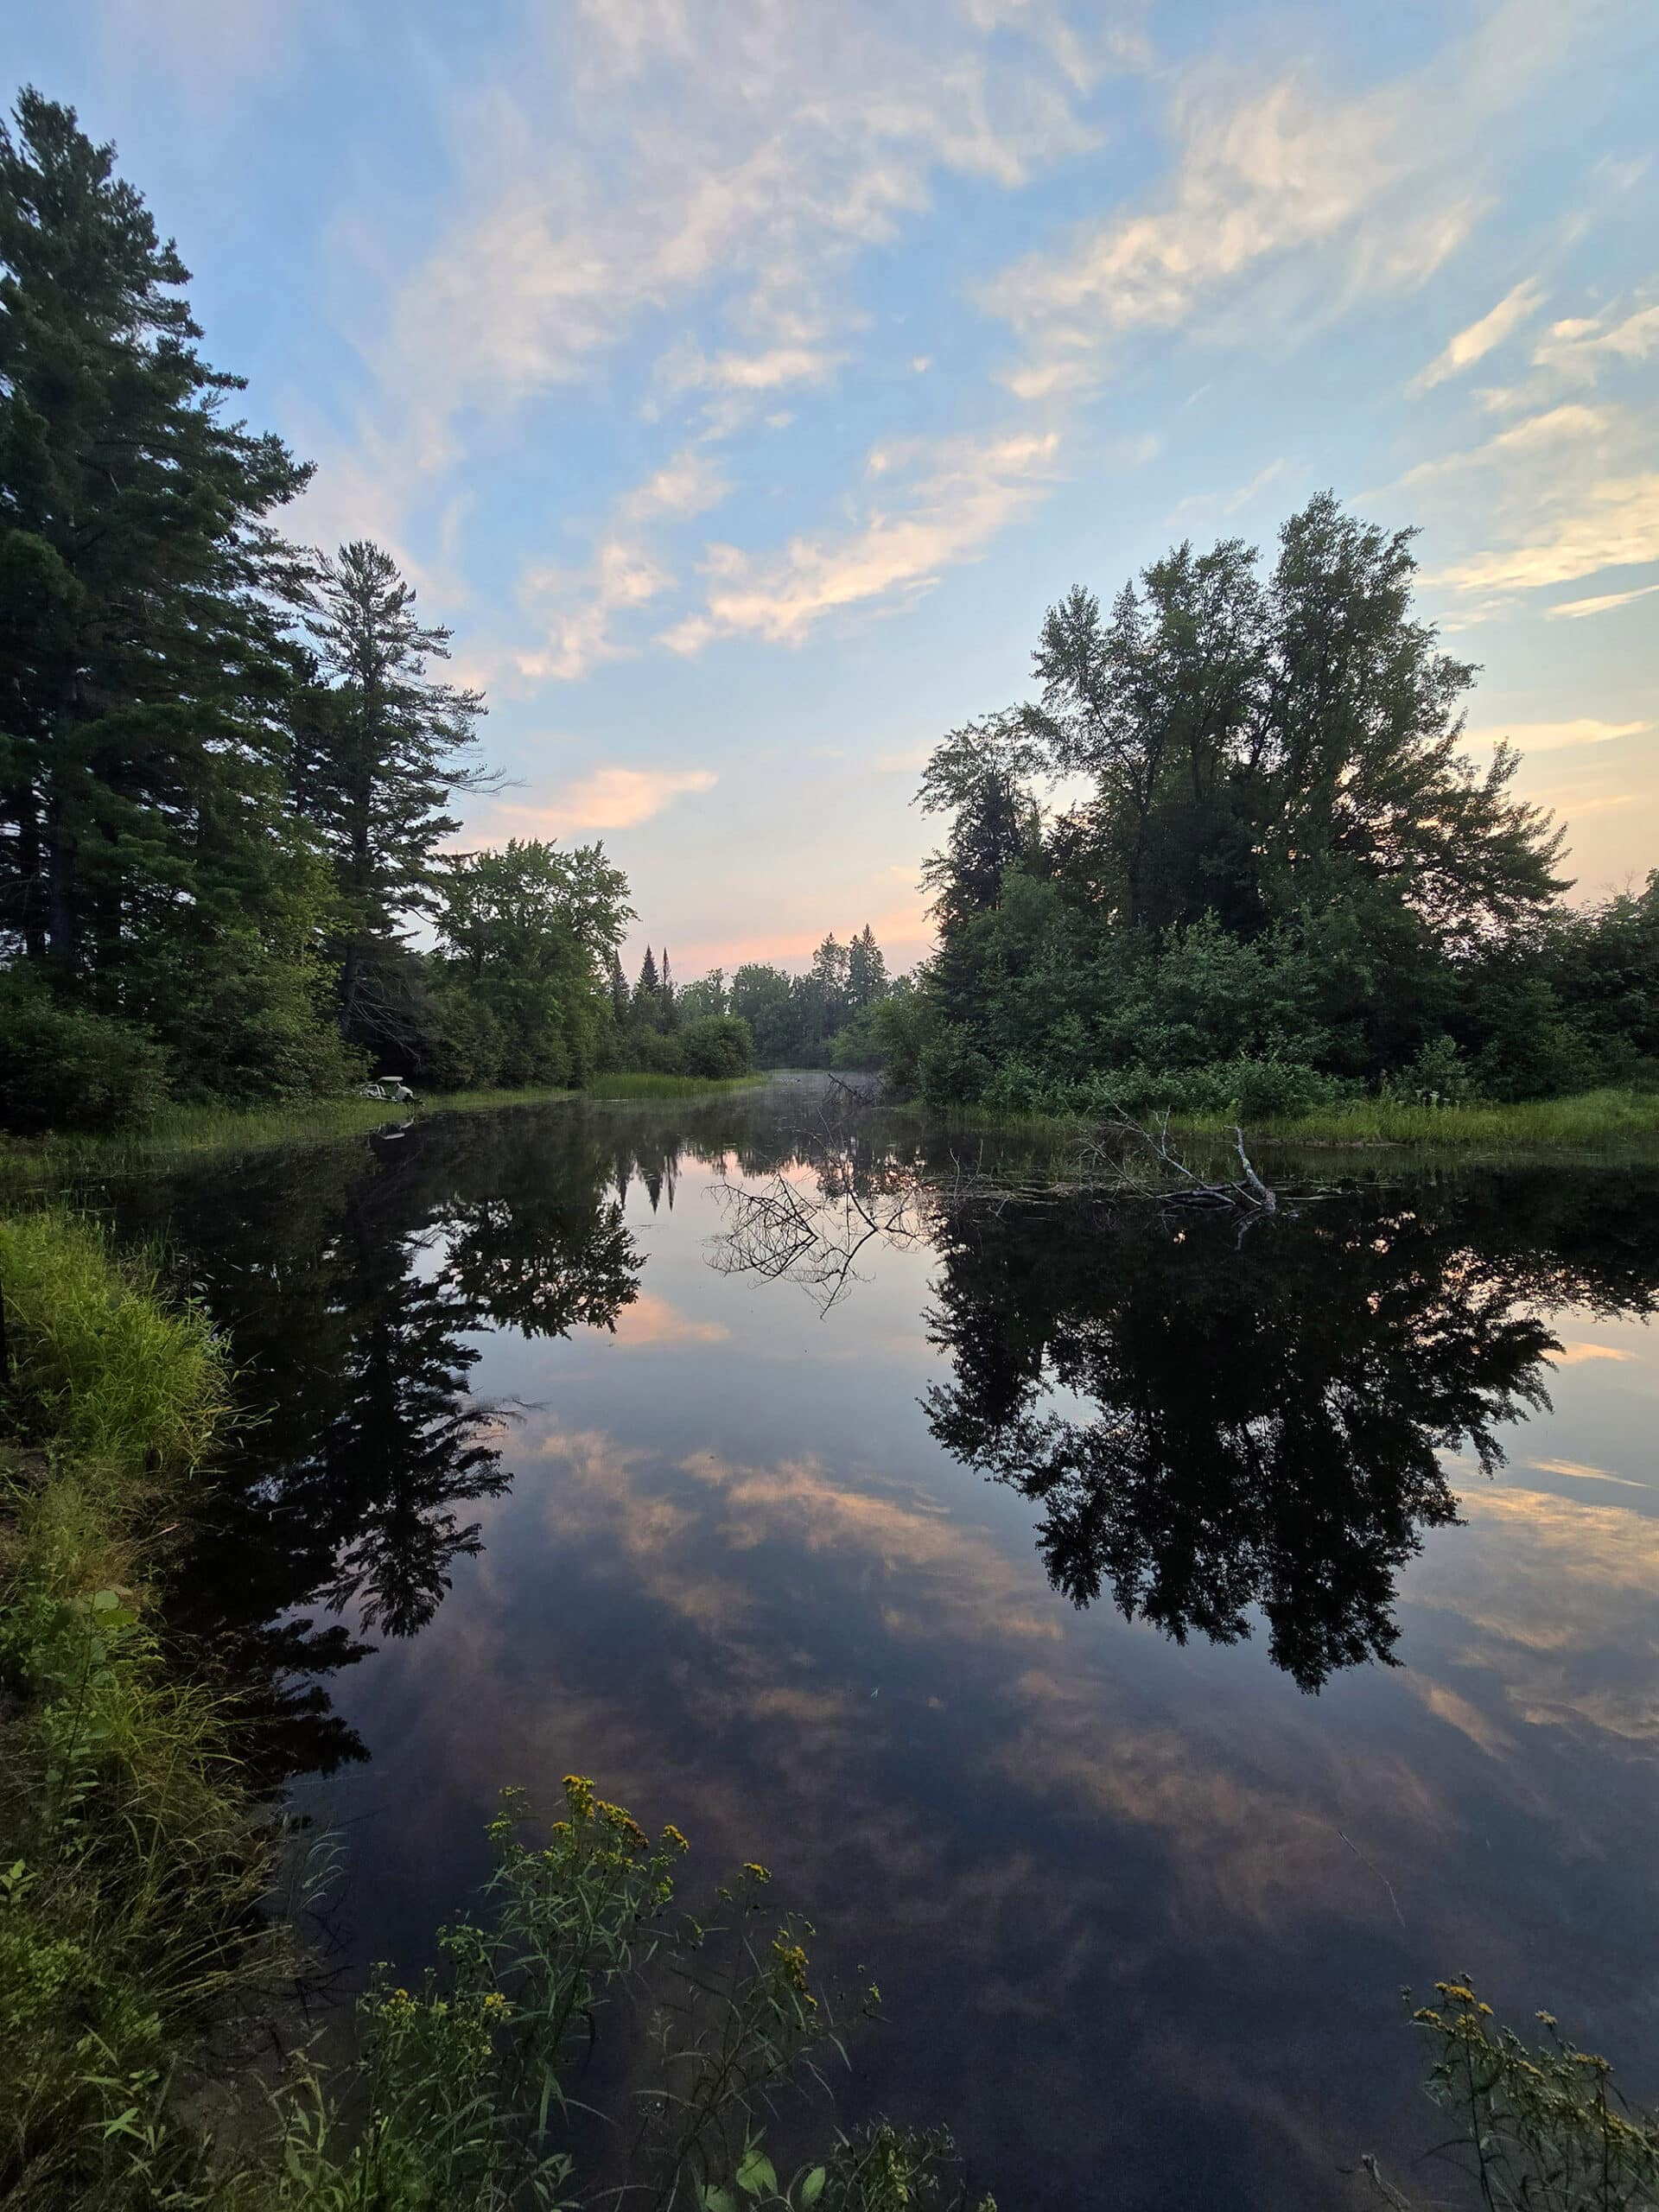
(1143, 1640)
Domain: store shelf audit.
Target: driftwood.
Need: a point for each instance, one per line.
(859, 1195)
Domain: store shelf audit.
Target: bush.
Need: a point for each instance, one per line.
(717, 1044)
(1440, 1072)
(1248, 1089)
(64, 1067)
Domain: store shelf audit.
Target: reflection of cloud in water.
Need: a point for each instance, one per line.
(1235, 1827)
(651, 1320)
(1558, 1605)
(938, 1574)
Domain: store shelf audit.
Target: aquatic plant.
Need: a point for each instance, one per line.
(1541, 2126)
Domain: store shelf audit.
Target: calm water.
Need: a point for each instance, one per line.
(1144, 1646)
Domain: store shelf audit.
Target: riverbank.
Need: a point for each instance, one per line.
(620, 1088)
(1595, 1122)
(131, 1859)
(203, 1132)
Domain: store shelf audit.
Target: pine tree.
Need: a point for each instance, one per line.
(619, 989)
(866, 971)
(670, 999)
(380, 749)
(648, 995)
(142, 668)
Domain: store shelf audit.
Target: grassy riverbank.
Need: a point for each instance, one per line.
(1595, 1120)
(199, 1132)
(130, 1859)
(621, 1088)
(195, 1132)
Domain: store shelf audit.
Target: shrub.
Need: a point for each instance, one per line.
(1439, 1071)
(717, 1044)
(1249, 1089)
(64, 1067)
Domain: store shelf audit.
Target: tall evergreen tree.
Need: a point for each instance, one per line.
(380, 749)
(866, 971)
(670, 1003)
(143, 669)
(618, 989)
(648, 993)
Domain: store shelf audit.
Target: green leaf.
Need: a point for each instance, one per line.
(713, 2198)
(812, 2187)
(756, 2172)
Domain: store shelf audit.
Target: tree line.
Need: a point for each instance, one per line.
(1276, 876)
(227, 763)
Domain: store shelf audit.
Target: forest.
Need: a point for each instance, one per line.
(1235, 855)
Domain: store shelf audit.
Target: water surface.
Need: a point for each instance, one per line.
(1142, 1642)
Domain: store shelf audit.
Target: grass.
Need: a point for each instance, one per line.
(1596, 1120)
(186, 1132)
(625, 1086)
(189, 1132)
(131, 1864)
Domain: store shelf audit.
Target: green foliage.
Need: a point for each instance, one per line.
(529, 934)
(65, 1066)
(717, 1044)
(1542, 2126)
(102, 1364)
(142, 661)
(460, 2098)
(129, 1866)
(1284, 877)
(627, 1084)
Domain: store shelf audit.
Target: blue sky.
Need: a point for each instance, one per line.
(741, 379)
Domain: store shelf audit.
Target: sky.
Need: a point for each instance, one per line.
(740, 380)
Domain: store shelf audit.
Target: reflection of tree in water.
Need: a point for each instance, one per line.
(1211, 1423)
(349, 1282)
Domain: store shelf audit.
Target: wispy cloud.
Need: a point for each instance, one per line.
(1582, 347)
(950, 499)
(1474, 342)
(1368, 193)
(1230, 503)
(1603, 603)
(605, 798)
(1552, 737)
(749, 168)
(578, 611)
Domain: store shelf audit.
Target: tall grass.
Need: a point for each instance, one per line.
(103, 1366)
(626, 1086)
(190, 1132)
(1608, 1120)
(129, 1863)
(1593, 1118)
